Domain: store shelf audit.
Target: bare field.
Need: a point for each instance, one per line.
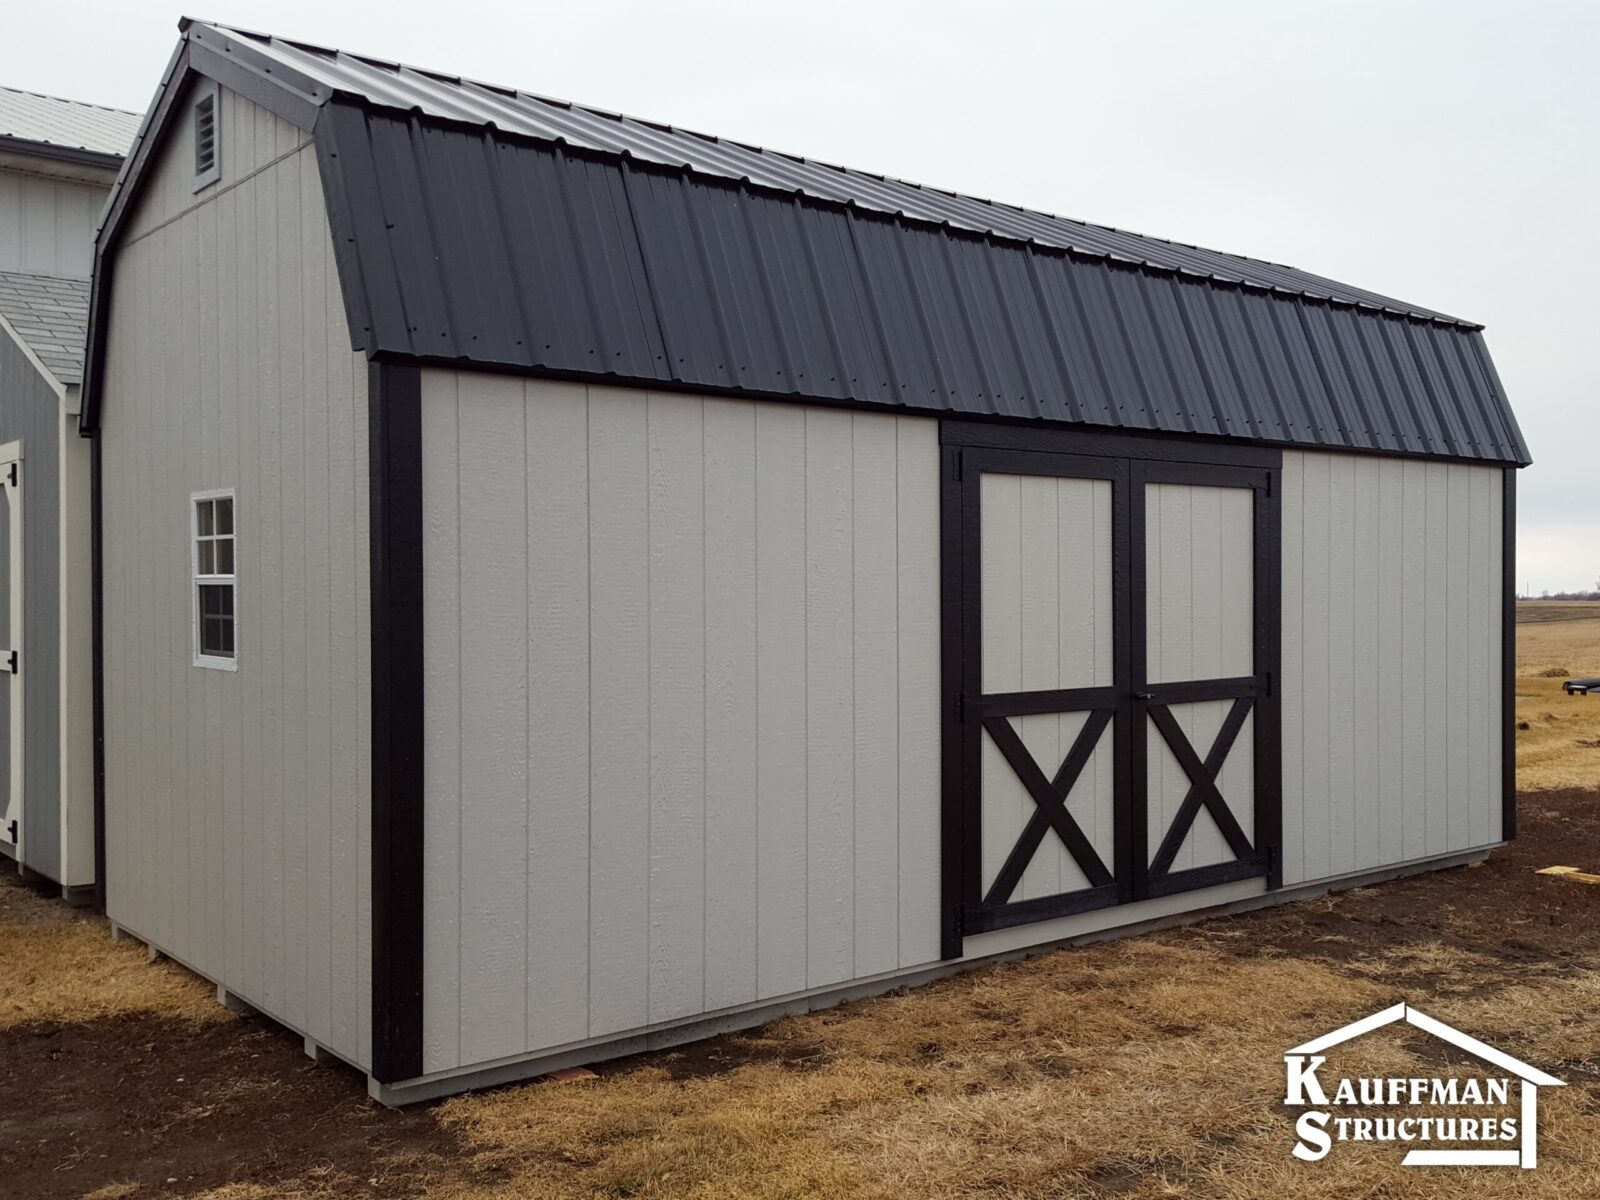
(1558, 736)
(1530, 612)
(1144, 1068)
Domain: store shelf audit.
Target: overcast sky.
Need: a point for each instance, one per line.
(1447, 153)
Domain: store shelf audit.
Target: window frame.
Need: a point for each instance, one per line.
(215, 662)
(206, 89)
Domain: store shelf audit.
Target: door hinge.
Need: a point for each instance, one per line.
(13, 474)
(1266, 683)
(955, 465)
(11, 831)
(11, 662)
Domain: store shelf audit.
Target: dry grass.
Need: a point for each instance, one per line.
(1560, 748)
(1149, 1068)
(58, 967)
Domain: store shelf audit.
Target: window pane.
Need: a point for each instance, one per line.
(224, 509)
(216, 600)
(208, 558)
(216, 619)
(224, 556)
(203, 507)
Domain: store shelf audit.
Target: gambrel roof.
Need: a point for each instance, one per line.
(477, 224)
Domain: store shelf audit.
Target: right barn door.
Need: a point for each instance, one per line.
(1205, 632)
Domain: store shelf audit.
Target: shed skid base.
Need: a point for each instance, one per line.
(696, 1028)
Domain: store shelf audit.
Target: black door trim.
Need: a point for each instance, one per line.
(968, 450)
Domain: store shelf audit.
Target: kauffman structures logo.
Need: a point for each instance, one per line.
(1456, 1121)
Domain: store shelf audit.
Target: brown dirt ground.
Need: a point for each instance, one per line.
(1142, 1068)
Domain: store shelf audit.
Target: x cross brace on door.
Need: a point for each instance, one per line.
(1050, 800)
(1202, 784)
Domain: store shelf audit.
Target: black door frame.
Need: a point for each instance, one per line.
(1129, 463)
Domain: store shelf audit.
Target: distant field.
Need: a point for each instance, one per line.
(1558, 736)
(1532, 612)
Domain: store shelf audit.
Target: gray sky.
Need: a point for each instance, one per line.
(1441, 152)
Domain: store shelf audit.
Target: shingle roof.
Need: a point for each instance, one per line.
(322, 72)
(51, 316)
(66, 124)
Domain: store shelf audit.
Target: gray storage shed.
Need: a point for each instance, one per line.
(572, 584)
(58, 159)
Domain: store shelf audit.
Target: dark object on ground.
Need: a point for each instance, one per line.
(1581, 687)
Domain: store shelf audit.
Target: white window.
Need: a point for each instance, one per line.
(207, 131)
(215, 634)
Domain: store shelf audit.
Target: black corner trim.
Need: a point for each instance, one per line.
(394, 406)
(952, 538)
(97, 673)
(1508, 659)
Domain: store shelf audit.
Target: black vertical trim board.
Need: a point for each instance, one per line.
(1508, 659)
(953, 790)
(1268, 558)
(1136, 805)
(395, 467)
(1124, 852)
(97, 674)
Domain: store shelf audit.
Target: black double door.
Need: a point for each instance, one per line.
(1111, 638)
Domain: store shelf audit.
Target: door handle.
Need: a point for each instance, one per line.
(1144, 695)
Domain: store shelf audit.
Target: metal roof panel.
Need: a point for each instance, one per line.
(65, 124)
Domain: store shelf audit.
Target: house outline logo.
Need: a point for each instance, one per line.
(1302, 1061)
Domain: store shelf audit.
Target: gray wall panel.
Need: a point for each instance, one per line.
(238, 804)
(1391, 661)
(47, 225)
(719, 782)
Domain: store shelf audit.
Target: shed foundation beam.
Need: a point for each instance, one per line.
(233, 1003)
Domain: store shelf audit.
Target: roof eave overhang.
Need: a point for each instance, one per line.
(61, 162)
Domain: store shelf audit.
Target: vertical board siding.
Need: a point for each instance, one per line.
(237, 803)
(1391, 661)
(47, 225)
(709, 629)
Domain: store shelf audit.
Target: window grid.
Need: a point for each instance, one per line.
(214, 579)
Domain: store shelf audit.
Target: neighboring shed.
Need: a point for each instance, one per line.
(572, 584)
(58, 159)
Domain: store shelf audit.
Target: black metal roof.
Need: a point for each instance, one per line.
(480, 225)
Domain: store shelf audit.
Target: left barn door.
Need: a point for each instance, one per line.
(12, 833)
(1044, 611)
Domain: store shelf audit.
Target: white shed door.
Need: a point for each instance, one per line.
(1048, 645)
(11, 832)
(1199, 655)
(1113, 621)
